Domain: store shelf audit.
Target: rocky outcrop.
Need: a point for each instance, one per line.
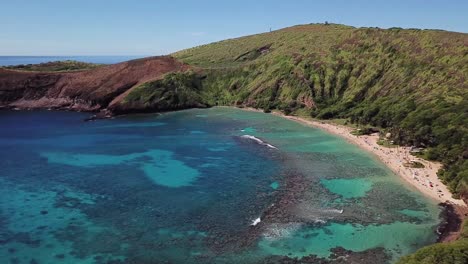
(89, 90)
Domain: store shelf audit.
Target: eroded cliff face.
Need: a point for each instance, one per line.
(89, 90)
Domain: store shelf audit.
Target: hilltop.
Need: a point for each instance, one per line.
(83, 90)
(410, 84)
(55, 66)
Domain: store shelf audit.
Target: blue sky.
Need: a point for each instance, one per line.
(101, 27)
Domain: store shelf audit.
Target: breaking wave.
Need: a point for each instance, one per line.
(259, 141)
(278, 231)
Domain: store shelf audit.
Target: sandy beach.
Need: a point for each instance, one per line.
(423, 179)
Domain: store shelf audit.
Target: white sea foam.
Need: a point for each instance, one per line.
(256, 221)
(333, 211)
(278, 231)
(311, 214)
(259, 141)
(319, 221)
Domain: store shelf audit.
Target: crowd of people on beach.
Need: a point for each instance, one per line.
(403, 160)
(398, 159)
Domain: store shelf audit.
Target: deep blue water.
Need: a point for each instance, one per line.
(185, 187)
(18, 60)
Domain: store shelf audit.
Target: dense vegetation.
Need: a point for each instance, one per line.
(55, 66)
(174, 91)
(409, 82)
(451, 253)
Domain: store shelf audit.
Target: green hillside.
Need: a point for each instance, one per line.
(455, 252)
(410, 82)
(174, 91)
(55, 66)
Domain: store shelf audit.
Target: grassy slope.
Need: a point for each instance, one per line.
(55, 66)
(451, 253)
(413, 83)
(177, 90)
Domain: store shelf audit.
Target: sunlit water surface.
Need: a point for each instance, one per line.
(185, 187)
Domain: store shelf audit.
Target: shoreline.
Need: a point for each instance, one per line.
(393, 158)
(454, 212)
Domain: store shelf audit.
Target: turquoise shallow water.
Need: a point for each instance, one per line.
(185, 187)
(348, 188)
(158, 165)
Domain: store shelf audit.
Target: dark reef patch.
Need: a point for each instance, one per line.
(452, 218)
(339, 256)
(116, 214)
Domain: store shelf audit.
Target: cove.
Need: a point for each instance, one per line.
(186, 186)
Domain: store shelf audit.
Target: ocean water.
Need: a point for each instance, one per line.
(18, 60)
(185, 187)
